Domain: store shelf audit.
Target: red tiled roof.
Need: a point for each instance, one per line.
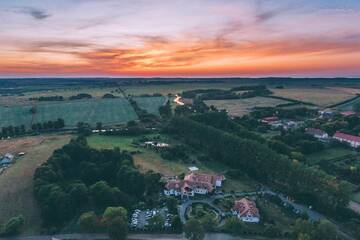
(195, 180)
(270, 119)
(173, 184)
(347, 113)
(246, 207)
(347, 137)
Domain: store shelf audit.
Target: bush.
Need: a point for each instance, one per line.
(14, 225)
(88, 221)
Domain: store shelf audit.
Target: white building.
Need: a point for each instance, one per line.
(353, 141)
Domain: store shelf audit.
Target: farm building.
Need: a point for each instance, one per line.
(246, 210)
(317, 133)
(269, 120)
(347, 113)
(194, 183)
(353, 141)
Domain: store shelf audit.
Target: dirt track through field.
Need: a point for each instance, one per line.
(16, 184)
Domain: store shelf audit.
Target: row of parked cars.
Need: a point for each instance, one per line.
(168, 220)
(140, 219)
(135, 218)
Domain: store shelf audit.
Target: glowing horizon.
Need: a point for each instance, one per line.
(180, 38)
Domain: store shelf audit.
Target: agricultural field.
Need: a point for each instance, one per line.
(320, 96)
(241, 107)
(16, 183)
(150, 104)
(96, 92)
(147, 159)
(107, 111)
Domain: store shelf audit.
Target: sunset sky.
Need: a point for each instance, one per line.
(319, 38)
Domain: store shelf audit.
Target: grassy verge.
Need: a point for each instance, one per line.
(328, 154)
(16, 184)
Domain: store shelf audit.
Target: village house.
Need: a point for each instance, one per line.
(353, 141)
(246, 210)
(317, 133)
(193, 183)
(347, 113)
(156, 145)
(269, 120)
(326, 113)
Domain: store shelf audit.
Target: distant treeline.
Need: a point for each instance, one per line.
(248, 88)
(47, 98)
(80, 96)
(14, 131)
(292, 100)
(220, 94)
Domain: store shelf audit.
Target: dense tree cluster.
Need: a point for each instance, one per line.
(47, 98)
(80, 96)
(165, 110)
(248, 88)
(257, 160)
(14, 131)
(219, 94)
(48, 125)
(77, 178)
(292, 113)
(108, 95)
(11, 131)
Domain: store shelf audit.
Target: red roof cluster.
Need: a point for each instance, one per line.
(245, 207)
(347, 137)
(195, 180)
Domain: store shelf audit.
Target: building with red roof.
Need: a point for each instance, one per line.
(317, 133)
(353, 141)
(194, 183)
(246, 210)
(347, 113)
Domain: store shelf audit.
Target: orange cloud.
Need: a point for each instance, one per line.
(160, 56)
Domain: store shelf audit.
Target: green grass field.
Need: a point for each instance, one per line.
(107, 111)
(150, 104)
(328, 154)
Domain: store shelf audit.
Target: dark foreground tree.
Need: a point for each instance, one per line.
(194, 230)
(117, 229)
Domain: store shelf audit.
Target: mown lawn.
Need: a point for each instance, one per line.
(328, 154)
(110, 142)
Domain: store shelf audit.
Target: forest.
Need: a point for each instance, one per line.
(78, 179)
